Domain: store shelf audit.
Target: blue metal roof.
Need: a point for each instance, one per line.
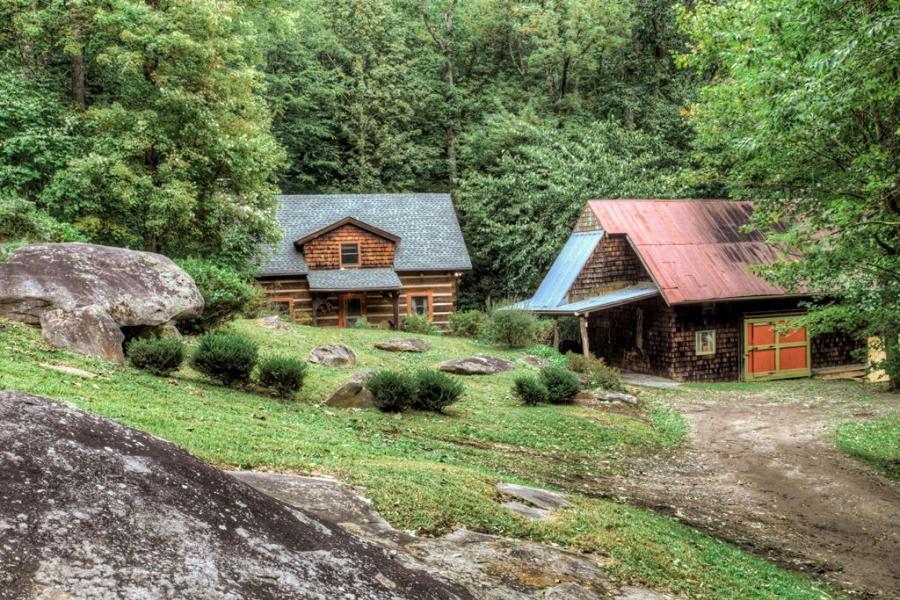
(553, 289)
(639, 291)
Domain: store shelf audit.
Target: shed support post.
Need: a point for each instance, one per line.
(397, 310)
(556, 334)
(583, 326)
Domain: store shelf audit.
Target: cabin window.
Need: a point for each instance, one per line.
(705, 342)
(420, 305)
(639, 329)
(349, 255)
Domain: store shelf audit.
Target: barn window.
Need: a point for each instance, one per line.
(349, 255)
(705, 342)
(420, 305)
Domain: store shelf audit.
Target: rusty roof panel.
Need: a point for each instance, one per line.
(694, 249)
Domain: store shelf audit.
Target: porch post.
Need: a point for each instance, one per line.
(583, 326)
(556, 334)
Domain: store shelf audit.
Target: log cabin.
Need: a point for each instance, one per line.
(665, 287)
(376, 257)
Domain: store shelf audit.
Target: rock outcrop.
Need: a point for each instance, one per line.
(82, 295)
(477, 365)
(338, 356)
(92, 509)
(353, 394)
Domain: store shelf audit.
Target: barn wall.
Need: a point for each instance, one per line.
(440, 286)
(613, 265)
(324, 252)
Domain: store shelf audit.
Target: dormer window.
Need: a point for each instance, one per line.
(349, 255)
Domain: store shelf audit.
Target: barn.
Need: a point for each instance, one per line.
(665, 287)
(374, 256)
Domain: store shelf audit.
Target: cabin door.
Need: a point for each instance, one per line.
(352, 309)
(772, 351)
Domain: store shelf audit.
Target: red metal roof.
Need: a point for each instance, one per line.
(694, 250)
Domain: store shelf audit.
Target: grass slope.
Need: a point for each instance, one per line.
(876, 441)
(425, 472)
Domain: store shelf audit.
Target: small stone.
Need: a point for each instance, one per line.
(539, 497)
(535, 361)
(361, 376)
(69, 370)
(589, 397)
(408, 345)
(274, 322)
(352, 394)
(333, 355)
(477, 365)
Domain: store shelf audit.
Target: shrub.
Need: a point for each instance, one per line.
(160, 356)
(597, 372)
(530, 390)
(436, 390)
(419, 324)
(512, 328)
(392, 391)
(282, 374)
(562, 384)
(227, 357)
(468, 323)
(362, 323)
(225, 293)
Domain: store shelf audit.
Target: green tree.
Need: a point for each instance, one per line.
(802, 115)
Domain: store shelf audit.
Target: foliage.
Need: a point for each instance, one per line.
(363, 323)
(392, 391)
(801, 115)
(435, 390)
(597, 372)
(562, 385)
(22, 223)
(530, 389)
(419, 324)
(141, 124)
(159, 356)
(226, 293)
(468, 323)
(282, 374)
(228, 357)
(513, 328)
(876, 441)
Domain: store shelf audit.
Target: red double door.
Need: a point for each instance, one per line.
(775, 350)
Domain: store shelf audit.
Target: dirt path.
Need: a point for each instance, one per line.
(761, 472)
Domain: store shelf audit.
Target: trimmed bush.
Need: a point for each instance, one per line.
(228, 357)
(392, 390)
(530, 390)
(562, 384)
(436, 390)
(363, 323)
(419, 324)
(282, 374)
(225, 294)
(513, 329)
(160, 356)
(598, 373)
(468, 323)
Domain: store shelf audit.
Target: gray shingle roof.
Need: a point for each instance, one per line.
(336, 280)
(431, 239)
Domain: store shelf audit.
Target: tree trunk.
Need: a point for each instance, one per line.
(77, 76)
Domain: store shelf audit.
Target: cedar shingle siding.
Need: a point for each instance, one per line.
(324, 252)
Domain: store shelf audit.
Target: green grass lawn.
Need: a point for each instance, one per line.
(424, 471)
(876, 441)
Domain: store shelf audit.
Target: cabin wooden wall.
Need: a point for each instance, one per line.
(613, 265)
(441, 287)
(324, 252)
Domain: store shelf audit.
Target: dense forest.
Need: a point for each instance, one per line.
(169, 125)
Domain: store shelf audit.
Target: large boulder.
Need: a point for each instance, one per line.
(92, 509)
(477, 365)
(353, 394)
(90, 290)
(333, 355)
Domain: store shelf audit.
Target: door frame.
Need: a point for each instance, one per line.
(342, 298)
(777, 346)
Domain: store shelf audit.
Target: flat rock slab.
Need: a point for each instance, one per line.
(536, 496)
(126, 514)
(650, 381)
(535, 361)
(274, 322)
(477, 365)
(589, 397)
(409, 345)
(65, 370)
(490, 567)
(352, 394)
(338, 356)
(532, 512)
